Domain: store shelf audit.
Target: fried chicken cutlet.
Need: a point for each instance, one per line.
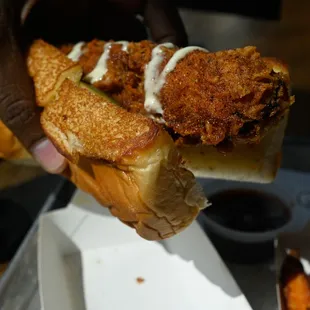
(200, 97)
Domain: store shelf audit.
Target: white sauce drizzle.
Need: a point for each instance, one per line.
(154, 81)
(101, 67)
(151, 74)
(124, 45)
(76, 52)
(177, 56)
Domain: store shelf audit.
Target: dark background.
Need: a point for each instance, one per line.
(252, 8)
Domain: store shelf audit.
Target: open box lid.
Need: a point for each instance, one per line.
(90, 260)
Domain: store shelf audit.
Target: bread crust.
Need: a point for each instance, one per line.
(151, 210)
(257, 163)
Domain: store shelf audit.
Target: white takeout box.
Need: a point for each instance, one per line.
(88, 259)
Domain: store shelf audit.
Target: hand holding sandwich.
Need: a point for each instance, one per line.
(17, 100)
(124, 112)
(17, 104)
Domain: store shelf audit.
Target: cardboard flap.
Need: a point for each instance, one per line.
(206, 258)
(56, 282)
(102, 231)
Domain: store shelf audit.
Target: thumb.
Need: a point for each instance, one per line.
(17, 100)
(164, 22)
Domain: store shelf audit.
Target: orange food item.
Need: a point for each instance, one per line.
(140, 280)
(295, 283)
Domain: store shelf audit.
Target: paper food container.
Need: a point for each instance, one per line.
(90, 260)
(294, 240)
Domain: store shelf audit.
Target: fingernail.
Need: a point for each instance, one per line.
(48, 157)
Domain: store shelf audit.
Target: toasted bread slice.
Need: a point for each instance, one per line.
(49, 67)
(258, 163)
(83, 123)
(125, 160)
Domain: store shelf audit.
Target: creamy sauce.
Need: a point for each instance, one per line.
(101, 67)
(154, 81)
(151, 73)
(124, 45)
(76, 52)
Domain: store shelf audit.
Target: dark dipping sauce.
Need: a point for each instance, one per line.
(248, 210)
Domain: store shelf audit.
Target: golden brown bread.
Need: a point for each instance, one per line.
(82, 115)
(251, 163)
(125, 160)
(49, 68)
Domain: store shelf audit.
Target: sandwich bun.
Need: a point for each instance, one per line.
(257, 163)
(126, 161)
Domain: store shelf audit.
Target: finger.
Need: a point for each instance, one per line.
(17, 109)
(164, 22)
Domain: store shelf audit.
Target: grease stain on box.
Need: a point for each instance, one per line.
(140, 280)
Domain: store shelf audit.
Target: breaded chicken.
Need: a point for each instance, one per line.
(209, 98)
(231, 95)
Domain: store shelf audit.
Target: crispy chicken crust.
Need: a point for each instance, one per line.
(209, 98)
(231, 95)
